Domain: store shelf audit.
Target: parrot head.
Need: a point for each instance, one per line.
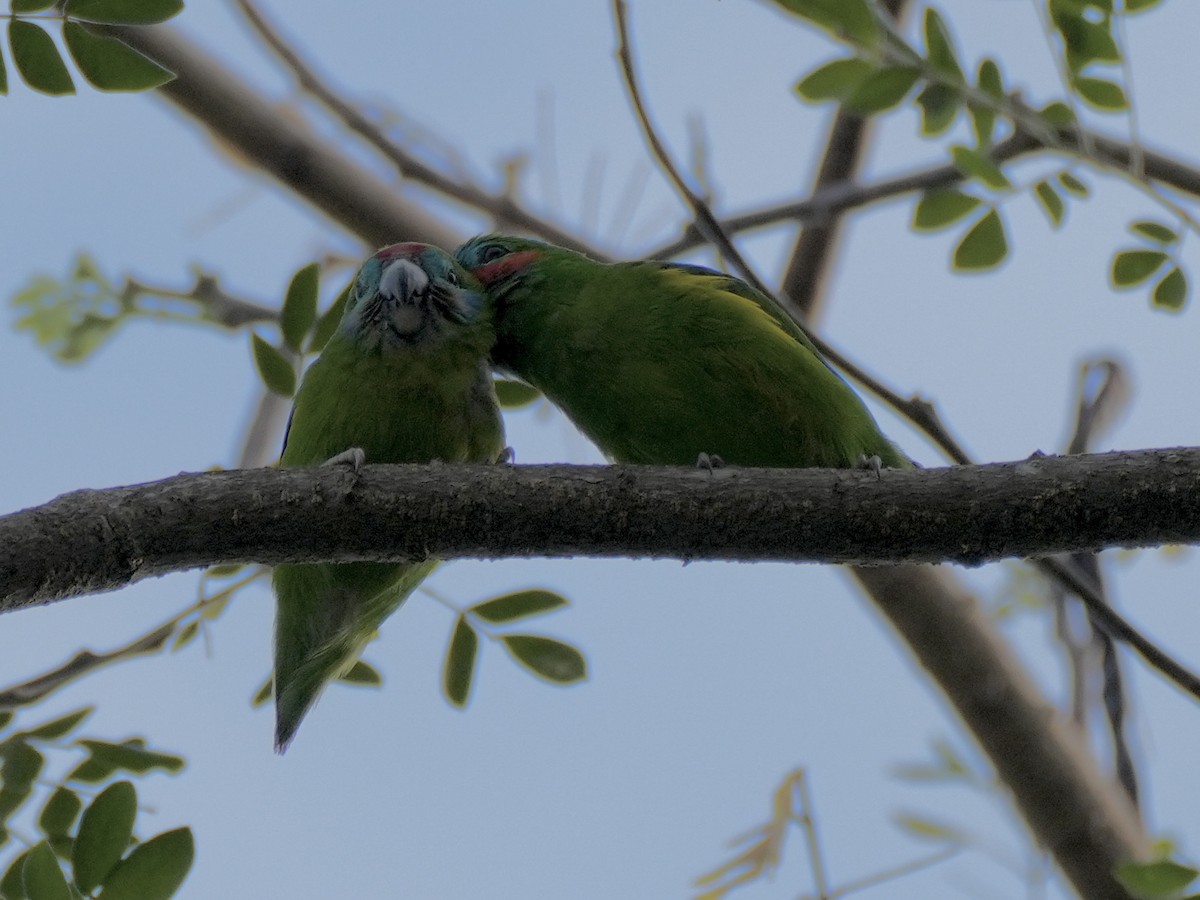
(410, 294)
(501, 261)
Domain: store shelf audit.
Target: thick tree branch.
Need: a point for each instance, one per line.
(100, 540)
(1077, 814)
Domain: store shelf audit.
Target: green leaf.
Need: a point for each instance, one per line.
(3, 82)
(972, 163)
(263, 694)
(518, 605)
(983, 117)
(939, 46)
(1134, 6)
(1050, 202)
(1131, 267)
(186, 635)
(851, 18)
(515, 394)
(459, 669)
(983, 247)
(42, 877)
(154, 870)
(920, 827)
(225, 570)
(132, 756)
(1154, 231)
(111, 65)
(104, 834)
(12, 886)
(546, 657)
(362, 673)
(12, 797)
(90, 772)
(835, 80)
(60, 812)
(124, 12)
(273, 367)
(940, 207)
(1102, 94)
(300, 306)
(21, 7)
(939, 107)
(1163, 878)
(328, 322)
(37, 59)
(1057, 114)
(56, 728)
(5, 718)
(22, 764)
(1072, 184)
(1090, 42)
(883, 89)
(1171, 292)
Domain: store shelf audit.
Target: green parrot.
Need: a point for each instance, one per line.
(404, 379)
(665, 363)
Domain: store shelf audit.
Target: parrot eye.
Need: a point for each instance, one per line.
(492, 253)
(452, 277)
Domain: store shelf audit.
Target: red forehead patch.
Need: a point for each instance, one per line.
(396, 250)
(505, 266)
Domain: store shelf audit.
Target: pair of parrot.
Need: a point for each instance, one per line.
(656, 362)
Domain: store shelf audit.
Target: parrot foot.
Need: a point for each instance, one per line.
(354, 457)
(709, 461)
(507, 457)
(873, 463)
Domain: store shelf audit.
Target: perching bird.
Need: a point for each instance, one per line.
(662, 363)
(404, 379)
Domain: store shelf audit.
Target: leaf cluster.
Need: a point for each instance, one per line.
(106, 63)
(86, 845)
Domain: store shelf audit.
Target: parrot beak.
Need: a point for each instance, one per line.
(401, 286)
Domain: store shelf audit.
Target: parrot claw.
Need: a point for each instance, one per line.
(872, 463)
(709, 461)
(507, 457)
(354, 457)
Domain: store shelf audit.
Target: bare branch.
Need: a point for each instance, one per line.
(302, 161)
(501, 207)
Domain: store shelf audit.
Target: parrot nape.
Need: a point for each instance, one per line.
(404, 379)
(660, 362)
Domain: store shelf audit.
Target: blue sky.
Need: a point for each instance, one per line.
(708, 682)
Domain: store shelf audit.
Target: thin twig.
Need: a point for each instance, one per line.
(85, 661)
(218, 305)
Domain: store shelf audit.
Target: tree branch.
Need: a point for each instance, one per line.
(1076, 813)
(293, 154)
(92, 540)
(847, 195)
(501, 207)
